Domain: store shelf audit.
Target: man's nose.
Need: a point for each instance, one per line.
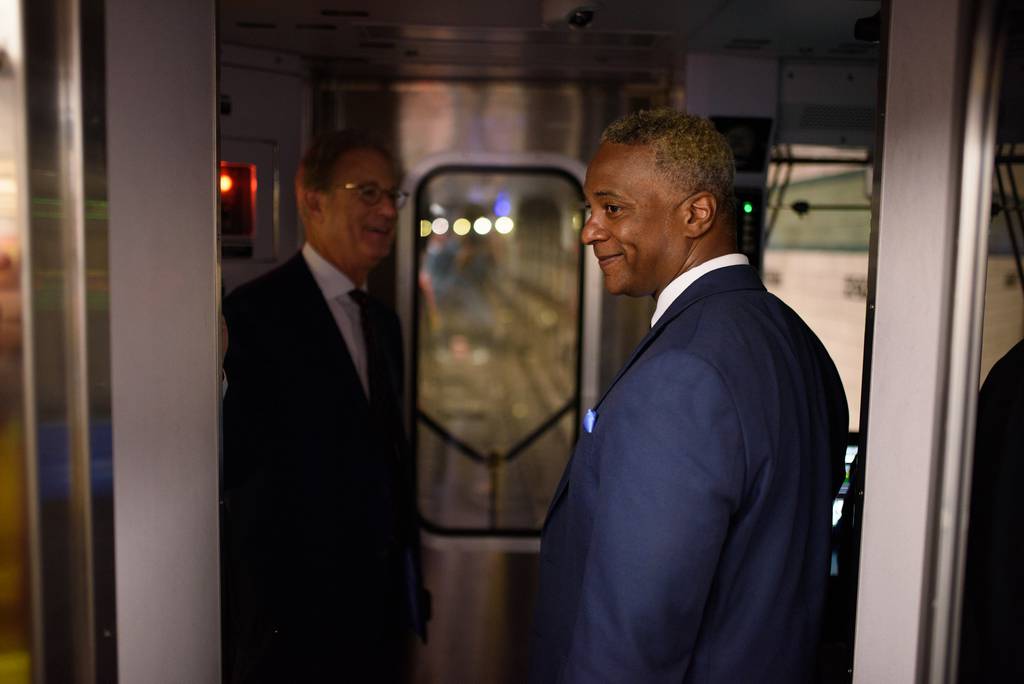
(387, 207)
(592, 232)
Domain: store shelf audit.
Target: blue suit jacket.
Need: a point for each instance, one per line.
(688, 540)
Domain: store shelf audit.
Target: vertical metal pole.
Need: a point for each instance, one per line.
(494, 462)
(71, 121)
(66, 379)
(951, 497)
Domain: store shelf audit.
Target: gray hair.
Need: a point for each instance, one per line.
(687, 148)
(317, 167)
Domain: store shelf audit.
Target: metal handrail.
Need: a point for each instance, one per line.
(496, 460)
(494, 457)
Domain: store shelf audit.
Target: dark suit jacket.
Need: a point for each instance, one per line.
(688, 540)
(993, 609)
(324, 549)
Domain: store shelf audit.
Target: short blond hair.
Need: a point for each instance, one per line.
(687, 148)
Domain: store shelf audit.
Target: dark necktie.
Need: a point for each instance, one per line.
(376, 370)
(385, 423)
(385, 418)
(390, 435)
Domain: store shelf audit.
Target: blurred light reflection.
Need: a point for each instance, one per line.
(502, 205)
(504, 225)
(482, 225)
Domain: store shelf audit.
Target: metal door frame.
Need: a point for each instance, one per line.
(927, 286)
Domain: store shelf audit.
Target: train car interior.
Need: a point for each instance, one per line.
(494, 112)
(148, 153)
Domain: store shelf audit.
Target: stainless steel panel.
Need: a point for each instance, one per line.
(70, 381)
(431, 117)
(951, 498)
(499, 120)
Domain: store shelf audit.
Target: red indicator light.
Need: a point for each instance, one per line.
(237, 183)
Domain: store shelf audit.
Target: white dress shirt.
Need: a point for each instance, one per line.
(687, 278)
(335, 286)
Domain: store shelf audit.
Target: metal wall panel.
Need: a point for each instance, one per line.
(271, 137)
(827, 103)
(162, 112)
(64, 317)
(425, 118)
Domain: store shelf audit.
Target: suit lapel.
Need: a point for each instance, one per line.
(721, 280)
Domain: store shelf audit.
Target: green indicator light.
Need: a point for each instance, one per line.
(748, 208)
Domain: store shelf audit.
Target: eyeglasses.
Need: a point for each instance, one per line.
(370, 193)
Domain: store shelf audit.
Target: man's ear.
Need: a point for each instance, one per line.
(698, 214)
(310, 203)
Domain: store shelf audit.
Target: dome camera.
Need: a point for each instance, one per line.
(571, 14)
(581, 17)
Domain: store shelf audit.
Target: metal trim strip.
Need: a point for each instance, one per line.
(951, 496)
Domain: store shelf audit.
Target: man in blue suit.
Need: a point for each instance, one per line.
(688, 540)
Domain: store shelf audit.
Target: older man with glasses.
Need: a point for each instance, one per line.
(323, 577)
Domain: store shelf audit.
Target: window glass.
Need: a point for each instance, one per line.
(1004, 305)
(15, 608)
(497, 345)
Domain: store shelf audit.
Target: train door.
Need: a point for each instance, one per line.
(493, 286)
(499, 361)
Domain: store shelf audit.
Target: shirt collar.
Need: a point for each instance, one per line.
(332, 282)
(687, 278)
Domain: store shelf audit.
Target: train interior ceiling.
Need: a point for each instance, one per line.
(493, 111)
(518, 77)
